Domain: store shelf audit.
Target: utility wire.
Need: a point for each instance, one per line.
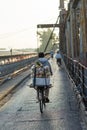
(10, 34)
(50, 35)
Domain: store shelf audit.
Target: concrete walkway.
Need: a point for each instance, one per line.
(62, 113)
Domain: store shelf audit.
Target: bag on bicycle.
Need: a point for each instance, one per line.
(41, 74)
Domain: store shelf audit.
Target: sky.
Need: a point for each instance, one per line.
(19, 19)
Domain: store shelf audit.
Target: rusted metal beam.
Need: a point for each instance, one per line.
(84, 24)
(75, 2)
(47, 25)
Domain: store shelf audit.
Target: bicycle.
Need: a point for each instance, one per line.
(41, 95)
(58, 61)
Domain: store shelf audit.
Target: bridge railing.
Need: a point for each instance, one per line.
(4, 60)
(23, 62)
(78, 73)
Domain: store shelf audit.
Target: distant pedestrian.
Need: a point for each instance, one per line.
(58, 58)
(51, 53)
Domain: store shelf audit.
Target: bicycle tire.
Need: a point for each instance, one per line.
(41, 102)
(41, 106)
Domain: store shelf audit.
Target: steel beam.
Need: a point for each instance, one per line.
(75, 3)
(47, 25)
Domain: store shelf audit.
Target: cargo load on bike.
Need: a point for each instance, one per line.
(40, 75)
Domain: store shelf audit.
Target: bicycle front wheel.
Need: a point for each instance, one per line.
(41, 100)
(41, 106)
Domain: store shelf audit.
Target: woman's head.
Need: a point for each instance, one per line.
(57, 51)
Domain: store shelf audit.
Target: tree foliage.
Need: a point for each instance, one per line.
(44, 37)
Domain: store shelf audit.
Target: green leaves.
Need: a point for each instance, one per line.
(44, 37)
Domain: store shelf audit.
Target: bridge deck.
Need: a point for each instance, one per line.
(63, 108)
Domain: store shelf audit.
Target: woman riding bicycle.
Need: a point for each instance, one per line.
(51, 53)
(58, 58)
(41, 63)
